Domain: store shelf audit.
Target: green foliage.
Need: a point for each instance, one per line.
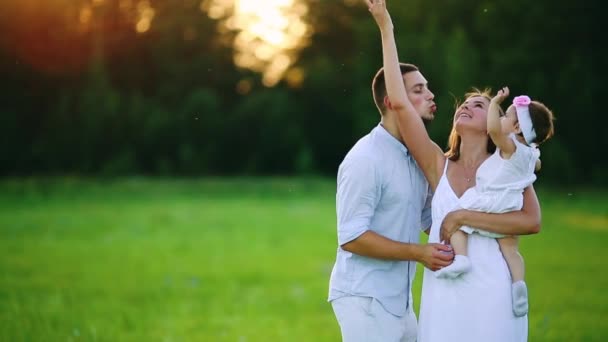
(167, 101)
(245, 259)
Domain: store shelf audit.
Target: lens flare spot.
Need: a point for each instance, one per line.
(269, 34)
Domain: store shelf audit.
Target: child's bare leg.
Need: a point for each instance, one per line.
(509, 248)
(459, 242)
(461, 263)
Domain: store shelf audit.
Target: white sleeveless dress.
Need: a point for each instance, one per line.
(475, 307)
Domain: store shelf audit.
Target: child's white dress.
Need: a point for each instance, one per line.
(499, 184)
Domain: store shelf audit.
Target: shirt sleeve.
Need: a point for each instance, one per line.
(426, 217)
(356, 198)
(524, 158)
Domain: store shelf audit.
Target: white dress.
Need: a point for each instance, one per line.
(500, 183)
(475, 307)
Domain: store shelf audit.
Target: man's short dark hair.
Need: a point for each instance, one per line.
(379, 85)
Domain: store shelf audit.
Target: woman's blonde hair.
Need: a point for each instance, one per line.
(454, 140)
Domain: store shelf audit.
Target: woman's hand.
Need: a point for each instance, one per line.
(378, 10)
(451, 223)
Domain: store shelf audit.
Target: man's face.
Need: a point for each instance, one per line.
(419, 94)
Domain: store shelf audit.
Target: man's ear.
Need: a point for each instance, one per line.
(387, 103)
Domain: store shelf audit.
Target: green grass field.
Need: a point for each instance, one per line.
(237, 260)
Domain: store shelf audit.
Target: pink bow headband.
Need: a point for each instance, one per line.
(522, 104)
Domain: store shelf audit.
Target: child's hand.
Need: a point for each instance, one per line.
(378, 10)
(501, 95)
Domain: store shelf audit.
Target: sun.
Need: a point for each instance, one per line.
(269, 33)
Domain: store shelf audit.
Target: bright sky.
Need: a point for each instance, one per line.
(271, 32)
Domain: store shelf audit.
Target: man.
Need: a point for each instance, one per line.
(383, 201)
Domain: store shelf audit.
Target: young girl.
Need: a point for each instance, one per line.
(500, 182)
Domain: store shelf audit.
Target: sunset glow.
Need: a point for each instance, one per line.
(267, 36)
(269, 33)
(145, 15)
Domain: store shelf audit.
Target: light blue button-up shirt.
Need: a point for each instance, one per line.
(380, 188)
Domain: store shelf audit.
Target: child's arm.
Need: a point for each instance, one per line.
(426, 153)
(500, 139)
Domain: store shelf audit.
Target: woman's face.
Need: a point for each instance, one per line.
(472, 114)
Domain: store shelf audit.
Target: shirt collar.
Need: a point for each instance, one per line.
(386, 136)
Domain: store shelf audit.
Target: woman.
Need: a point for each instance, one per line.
(477, 305)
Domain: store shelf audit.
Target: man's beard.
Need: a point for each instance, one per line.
(427, 122)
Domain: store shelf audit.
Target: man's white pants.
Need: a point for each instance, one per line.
(364, 319)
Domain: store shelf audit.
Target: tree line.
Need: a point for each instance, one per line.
(107, 100)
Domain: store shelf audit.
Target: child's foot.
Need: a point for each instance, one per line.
(520, 298)
(460, 265)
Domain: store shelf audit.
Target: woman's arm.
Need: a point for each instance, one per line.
(427, 154)
(521, 222)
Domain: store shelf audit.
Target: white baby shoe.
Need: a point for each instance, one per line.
(460, 265)
(520, 298)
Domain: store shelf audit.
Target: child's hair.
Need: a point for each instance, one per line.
(542, 121)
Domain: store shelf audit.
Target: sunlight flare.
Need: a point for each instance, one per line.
(146, 14)
(269, 35)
